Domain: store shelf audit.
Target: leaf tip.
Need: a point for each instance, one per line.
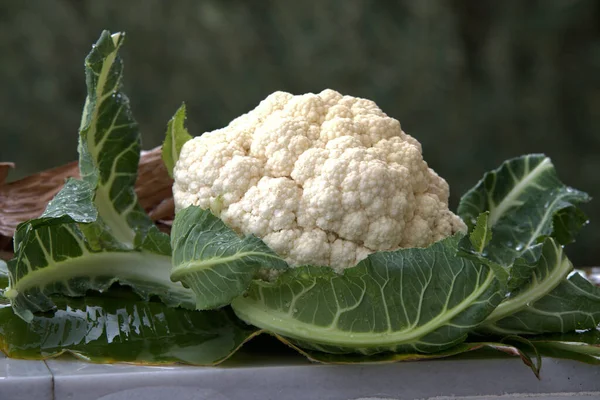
(117, 37)
(176, 136)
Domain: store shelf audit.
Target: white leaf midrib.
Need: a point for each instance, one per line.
(126, 265)
(509, 200)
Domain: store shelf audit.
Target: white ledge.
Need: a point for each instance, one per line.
(287, 377)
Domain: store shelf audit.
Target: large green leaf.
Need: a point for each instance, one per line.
(57, 258)
(524, 198)
(109, 147)
(574, 304)
(404, 301)
(94, 233)
(531, 214)
(176, 137)
(213, 260)
(124, 329)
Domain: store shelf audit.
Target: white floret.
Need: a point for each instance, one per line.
(323, 179)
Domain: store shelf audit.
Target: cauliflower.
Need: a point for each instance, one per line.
(323, 179)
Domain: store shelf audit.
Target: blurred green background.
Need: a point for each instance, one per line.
(475, 81)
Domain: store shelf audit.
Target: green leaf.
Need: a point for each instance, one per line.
(94, 233)
(176, 137)
(55, 257)
(102, 329)
(404, 301)
(581, 346)
(109, 142)
(531, 213)
(522, 196)
(383, 358)
(466, 350)
(574, 304)
(213, 260)
(481, 235)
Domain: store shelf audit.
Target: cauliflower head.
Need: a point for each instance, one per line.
(323, 179)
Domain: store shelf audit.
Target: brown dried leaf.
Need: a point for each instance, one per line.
(4, 169)
(154, 185)
(27, 198)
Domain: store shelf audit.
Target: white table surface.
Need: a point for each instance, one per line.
(292, 377)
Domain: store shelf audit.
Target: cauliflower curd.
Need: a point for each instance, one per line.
(323, 179)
